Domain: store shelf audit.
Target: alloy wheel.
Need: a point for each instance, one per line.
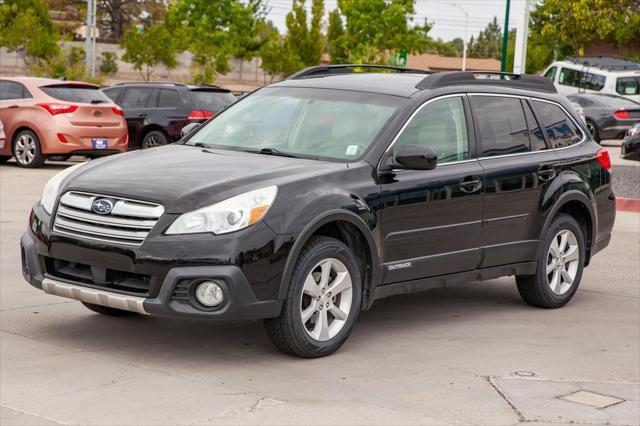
(326, 300)
(25, 149)
(562, 262)
(592, 129)
(154, 140)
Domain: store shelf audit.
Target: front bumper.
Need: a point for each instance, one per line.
(171, 295)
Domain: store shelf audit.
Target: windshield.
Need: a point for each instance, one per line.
(334, 124)
(76, 93)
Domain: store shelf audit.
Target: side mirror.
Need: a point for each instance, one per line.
(189, 128)
(415, 157)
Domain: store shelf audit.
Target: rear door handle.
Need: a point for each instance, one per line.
(470, 184)
(546, 173)
(142, 115)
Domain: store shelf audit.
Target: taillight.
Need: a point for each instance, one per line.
(197, 114)
(117, 110)
(604, 159)
(62, 138)
(622, 114)
(55, 109)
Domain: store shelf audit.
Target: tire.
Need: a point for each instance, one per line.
(27, 150)
(537, 289)
(310, 339)
(106, 310)
(154, 138)
(593, 129)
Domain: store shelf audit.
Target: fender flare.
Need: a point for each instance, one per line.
(563, 199)
(335, 215)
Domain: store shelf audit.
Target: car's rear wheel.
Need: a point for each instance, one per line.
(593, 129)
(323, 301)
(560, 265)
(27, 149)
(154, 138)
(106, 310)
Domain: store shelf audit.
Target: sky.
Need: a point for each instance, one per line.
(447, 20)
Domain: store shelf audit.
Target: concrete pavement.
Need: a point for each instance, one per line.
(469, 354)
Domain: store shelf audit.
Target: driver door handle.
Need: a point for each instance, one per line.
(546, 173)
(470, 184)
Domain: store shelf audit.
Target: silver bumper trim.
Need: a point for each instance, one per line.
(97, 297)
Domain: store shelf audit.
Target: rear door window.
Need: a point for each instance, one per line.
(209, 100)
(561, 130)
(76, 93)
(502, 125)
(136, 97)
(168, 98)
(13, 90)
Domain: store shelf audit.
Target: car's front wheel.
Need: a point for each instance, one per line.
(560, 265)
(323, 301)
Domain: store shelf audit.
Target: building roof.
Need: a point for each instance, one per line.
(428, 61)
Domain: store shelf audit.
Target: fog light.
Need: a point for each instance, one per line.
(209, 293)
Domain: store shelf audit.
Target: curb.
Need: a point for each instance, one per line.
(628, 204)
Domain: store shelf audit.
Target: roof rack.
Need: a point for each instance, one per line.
(324, 70)
(166, 83)
(609, 63)
(466, 78)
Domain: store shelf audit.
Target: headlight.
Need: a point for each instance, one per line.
(52, 188)
(226, 216)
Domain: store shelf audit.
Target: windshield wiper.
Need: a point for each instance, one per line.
(274, 151)
(97, 101)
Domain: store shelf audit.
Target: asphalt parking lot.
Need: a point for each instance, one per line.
(469, 354)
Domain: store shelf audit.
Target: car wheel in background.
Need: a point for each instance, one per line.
(593, 129)
(154, 138)
(106, 310)
(26, 149)
(560, 265)
(323, 301)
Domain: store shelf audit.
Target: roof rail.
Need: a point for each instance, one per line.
(324, 70)
(466, 78)
(609, 63)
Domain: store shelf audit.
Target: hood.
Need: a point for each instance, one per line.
(183, 178)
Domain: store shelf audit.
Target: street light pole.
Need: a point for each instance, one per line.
(87, 37)
(505, 39)
(464, 40)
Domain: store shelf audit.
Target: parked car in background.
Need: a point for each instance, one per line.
(157, 112)
(45, 117)
(607, 116)
(580, 111)
(630, 149)
(596, 74)
(3, 139)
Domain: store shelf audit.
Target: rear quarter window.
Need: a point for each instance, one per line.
(210, 100)
(76, 93)
(628, 85)
(561, 130)
(113, 93)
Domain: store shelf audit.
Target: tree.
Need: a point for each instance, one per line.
(27, 29)
(335, 38)
(108, 63)
(116, 17)
(148, 48)
(249, 29)
(377, 29)
(574, 24)
(277, 56)
(488, 44)
(304, 38)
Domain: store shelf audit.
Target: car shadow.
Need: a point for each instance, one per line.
(236, 342)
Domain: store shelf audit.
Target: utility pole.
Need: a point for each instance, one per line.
(464, 40)
(505, 39)
(89, 41)
(522, 34)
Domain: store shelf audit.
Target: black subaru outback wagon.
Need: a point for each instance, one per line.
(311, 198)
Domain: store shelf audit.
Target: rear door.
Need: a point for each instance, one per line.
(431, 219)
(135, 103)
(171, 112)
(518, 167)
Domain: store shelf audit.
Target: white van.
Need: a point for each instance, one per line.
(597, 74)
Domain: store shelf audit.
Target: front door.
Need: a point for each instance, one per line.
(431, 219)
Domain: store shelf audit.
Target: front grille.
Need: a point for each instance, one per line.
(129, 221)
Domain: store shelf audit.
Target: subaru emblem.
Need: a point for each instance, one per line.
(102, 206)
